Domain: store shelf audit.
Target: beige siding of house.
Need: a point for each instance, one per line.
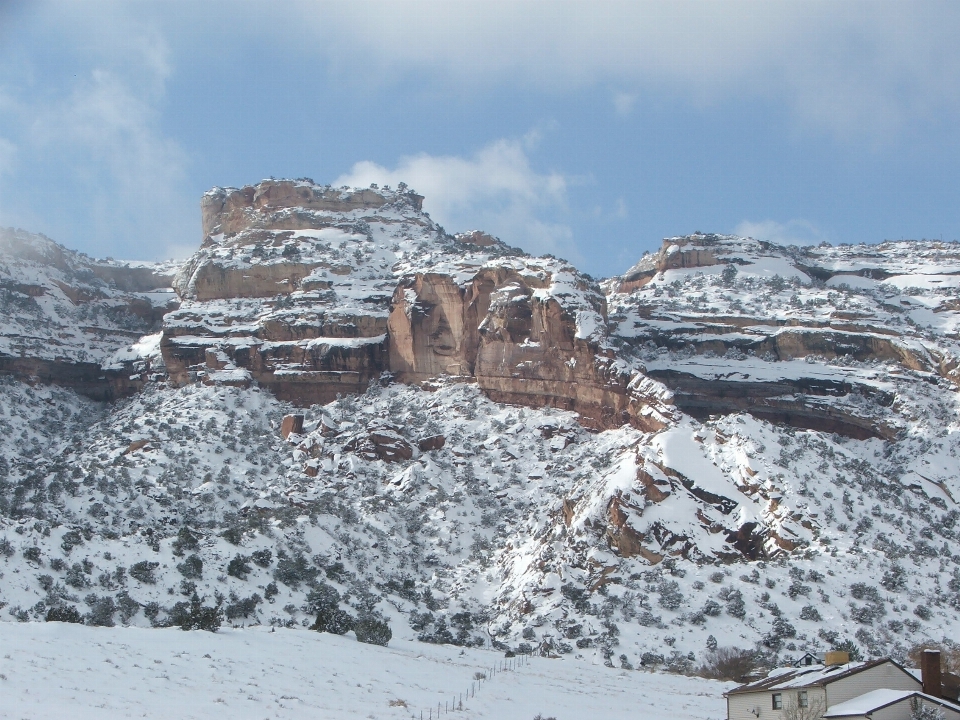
(887, 675)
(740, 707)
(901, 711)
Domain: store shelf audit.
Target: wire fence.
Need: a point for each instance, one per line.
(457, 700)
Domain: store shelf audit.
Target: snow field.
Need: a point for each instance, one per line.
(56, 670)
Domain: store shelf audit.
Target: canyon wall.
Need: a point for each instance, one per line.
(314, 291)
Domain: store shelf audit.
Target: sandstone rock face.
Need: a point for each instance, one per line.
(531, 332)
(434, 326)
(686, 252)
(313, 291)
(285, 205)
(292, 288)
(802, 402)
(536, 349)
(477, 237)
(210, 281)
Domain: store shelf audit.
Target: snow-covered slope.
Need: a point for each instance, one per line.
(523, 531)
(56, 671)
(785, 478)
(68, 319)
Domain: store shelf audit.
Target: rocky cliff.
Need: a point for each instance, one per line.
(314, 291)
(794, 335)
(71, 320)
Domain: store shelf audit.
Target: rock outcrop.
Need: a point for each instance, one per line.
(800, 336)
(291, 288)
(313, 292)
(287, 205)
(531, 332)
(73, 321)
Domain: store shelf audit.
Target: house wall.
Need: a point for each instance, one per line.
(901, 711)
(887, 675)
(740, 707)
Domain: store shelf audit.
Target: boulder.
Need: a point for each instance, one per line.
(383, 443)
(291, 425)
(433, 442)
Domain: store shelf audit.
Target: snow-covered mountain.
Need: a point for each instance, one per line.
(734, 443)
(68, 319)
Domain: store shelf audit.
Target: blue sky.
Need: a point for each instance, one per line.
(589, 131)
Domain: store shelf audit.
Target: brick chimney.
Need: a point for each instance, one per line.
(930, 672)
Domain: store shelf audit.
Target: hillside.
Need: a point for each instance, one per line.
(67, 318)
(734, 443)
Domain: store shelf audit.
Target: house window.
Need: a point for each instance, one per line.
(802, 699)
(777, 701)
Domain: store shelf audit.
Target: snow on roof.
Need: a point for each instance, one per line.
(809, 676)
(868, 702)
(877, 699)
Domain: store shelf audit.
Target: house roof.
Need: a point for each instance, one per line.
(878, 699)
(815, 676)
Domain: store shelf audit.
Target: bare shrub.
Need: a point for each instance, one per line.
(729, 663)
(949, 655)
(793, 710)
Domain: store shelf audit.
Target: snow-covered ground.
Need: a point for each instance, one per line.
(57, 670)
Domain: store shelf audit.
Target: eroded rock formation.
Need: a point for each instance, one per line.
(799, 336)
(314, 291)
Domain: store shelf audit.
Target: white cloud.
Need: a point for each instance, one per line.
(98, 137)
(496, 190)
(862, 67)
(792, 232)
(132, 175)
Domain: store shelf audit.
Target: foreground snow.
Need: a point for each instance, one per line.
(54, 670)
